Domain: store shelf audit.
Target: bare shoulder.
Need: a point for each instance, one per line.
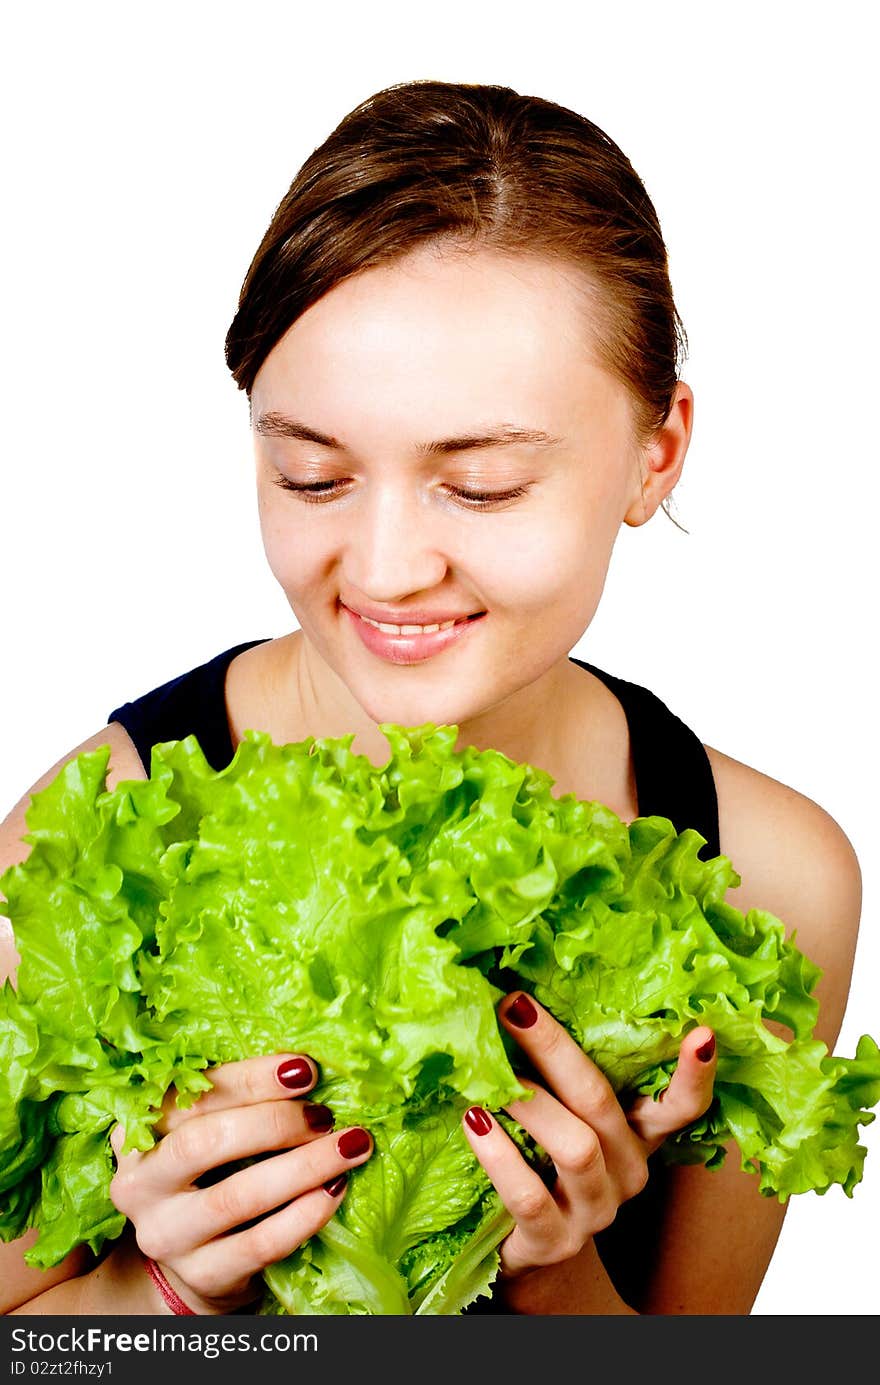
(124, 763)
(796, 861)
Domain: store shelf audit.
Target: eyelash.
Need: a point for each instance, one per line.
(318, 492)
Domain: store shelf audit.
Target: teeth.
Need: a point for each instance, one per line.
(408, 629)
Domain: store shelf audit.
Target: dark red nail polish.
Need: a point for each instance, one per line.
(336, 1185)
(706, 1051)
(317, 1117)
(522, 1013)
(351, 1143)
(478, 1120)
(295, 1073)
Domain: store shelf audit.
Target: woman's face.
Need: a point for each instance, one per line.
(469, 460)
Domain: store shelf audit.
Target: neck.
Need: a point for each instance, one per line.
(519, 727)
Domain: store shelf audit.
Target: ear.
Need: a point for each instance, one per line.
(662, 458)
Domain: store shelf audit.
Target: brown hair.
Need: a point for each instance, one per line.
(484, 166)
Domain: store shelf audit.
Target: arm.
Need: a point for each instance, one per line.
(213, 1236)
(795, 861)
(212, 1240)
(580, 1286)
(20, 1282)
(600, 1152)
(118, 1285)
(700, 1241)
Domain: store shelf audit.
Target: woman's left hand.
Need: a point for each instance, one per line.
(600, 1152)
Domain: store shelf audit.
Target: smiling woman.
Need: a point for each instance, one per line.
(443, 441)
(461, 352)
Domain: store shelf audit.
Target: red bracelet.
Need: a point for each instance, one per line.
(174, 1301)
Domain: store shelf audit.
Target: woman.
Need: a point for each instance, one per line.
(461, 352)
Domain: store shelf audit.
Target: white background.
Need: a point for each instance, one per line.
(146, 148)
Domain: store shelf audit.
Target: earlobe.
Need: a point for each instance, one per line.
(660, 462)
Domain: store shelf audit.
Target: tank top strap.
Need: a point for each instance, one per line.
(672, 770)
(192, 704)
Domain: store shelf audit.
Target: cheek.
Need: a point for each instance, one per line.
(555, 569)
(291, 545)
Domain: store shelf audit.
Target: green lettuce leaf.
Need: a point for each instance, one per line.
(303, 899)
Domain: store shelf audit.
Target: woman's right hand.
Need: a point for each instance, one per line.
(212, 1241)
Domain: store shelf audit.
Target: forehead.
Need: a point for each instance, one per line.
(457, 334)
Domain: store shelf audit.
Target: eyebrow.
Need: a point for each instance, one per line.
(275, 425)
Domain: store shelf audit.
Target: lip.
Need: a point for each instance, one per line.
(412, 615)
(410, 649)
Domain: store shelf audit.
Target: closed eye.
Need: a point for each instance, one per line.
(478, 499)
(310, 490)
(319, 492)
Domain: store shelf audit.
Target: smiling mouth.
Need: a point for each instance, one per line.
(388, 629)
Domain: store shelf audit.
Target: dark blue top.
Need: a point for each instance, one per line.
(673, 776)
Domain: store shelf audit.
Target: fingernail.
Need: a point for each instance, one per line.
(478, 1120)
(351, 1143)
(522, 1013)
(706, 1051)
(295, 1073)
(336, 1185)
(318, 1117)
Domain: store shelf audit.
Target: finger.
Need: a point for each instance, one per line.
(573, 1145)
(568, 1071)
(540, 1228)
(117, 1140)
(314, 1119)
(237, 1258)
(688, 1096)
(232, 1134)
(225, 1136)
(591, 1181)
(273, 1077)
(255, 1191)
(123, 1183)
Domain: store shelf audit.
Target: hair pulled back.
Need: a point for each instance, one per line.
(484, 167)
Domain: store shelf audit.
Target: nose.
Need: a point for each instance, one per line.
(395, 546)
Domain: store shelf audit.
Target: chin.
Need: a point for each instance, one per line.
(417, 711)
(413, 716)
